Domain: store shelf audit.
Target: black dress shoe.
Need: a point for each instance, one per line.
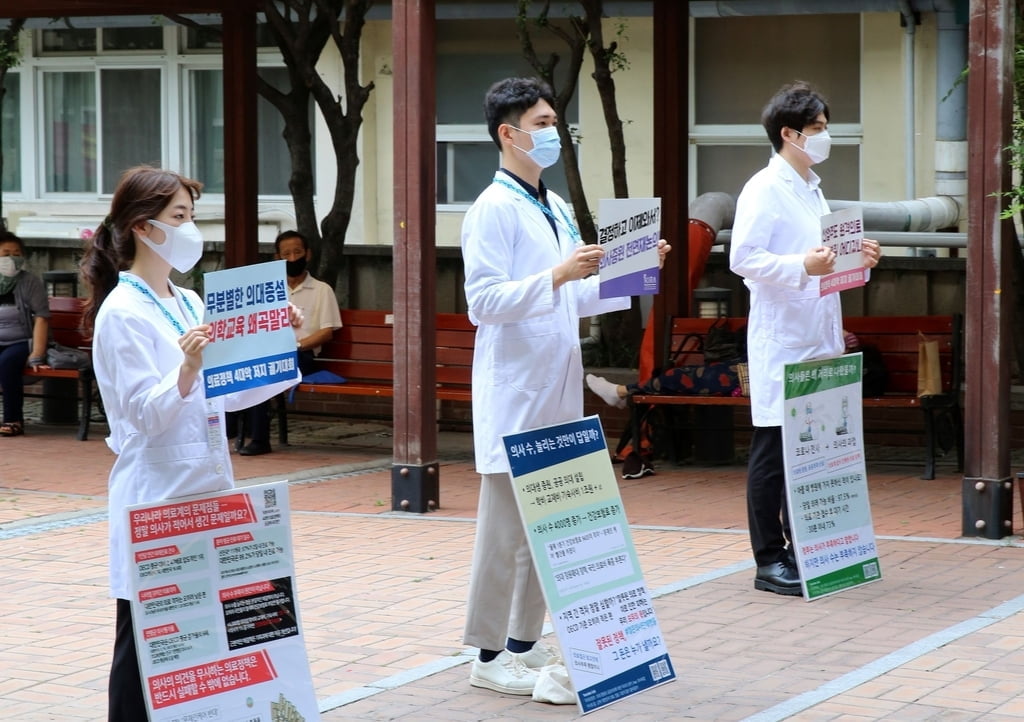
(779, 578)
(791, 557)
(255, 448)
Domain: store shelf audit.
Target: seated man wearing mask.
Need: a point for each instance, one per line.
(319, 308)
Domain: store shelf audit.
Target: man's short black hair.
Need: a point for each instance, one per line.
(795, 106)
(508, 99)
(8, 237)
(285, 235)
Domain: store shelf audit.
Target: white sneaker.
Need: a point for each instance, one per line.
(608, 391)
(541, 655)
(505, 673)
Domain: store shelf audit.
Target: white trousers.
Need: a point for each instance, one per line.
(505, 596)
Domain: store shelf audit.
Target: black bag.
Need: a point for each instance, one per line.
(689, 352)
(723, 344)
(65, 357)
(876, 376)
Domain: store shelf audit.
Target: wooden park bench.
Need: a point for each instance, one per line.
(66, 329)
(362, 352)
(896, 338)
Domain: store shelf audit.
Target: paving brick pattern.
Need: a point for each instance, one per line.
(941, 636)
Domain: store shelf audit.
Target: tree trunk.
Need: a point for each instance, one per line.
(602, 75)
(621, 331)
(343, 124)
(576, 42)
(302, 29)
(299, 139)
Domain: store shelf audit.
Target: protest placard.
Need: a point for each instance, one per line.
(215, 609)
(629, 230)
(843, 232)
(826, 479)
(252, 342)
(586, 562)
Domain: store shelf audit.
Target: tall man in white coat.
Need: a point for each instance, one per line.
(777, 249)
(529, 279)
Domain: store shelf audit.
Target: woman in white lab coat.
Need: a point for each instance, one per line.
(148, 338)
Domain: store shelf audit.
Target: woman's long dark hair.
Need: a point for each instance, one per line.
(141, 194)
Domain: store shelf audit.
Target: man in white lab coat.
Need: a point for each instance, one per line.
(529, 279)
(777, 248)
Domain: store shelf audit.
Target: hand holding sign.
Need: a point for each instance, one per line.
(629, 230)
(872, 252)
(819, 261)
(842, 236)
(582, 262)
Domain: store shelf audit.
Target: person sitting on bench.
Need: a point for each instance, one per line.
(24, 328)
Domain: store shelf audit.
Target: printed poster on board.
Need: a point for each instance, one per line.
(252, 341)
(215, 609)
(843, 232)
(581, 544)
(629, 230)
(826, 479)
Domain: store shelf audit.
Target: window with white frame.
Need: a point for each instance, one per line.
(131, 114)
(10, 127)
(466, 155)
(115, 108)
(205, 130)
(98, 122)
(69, 132)
(739, 62)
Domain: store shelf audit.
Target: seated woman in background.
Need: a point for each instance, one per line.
(713, 379)
(24, 328)
(722, 378)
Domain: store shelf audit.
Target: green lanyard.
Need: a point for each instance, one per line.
(574, 234)
(144, 290)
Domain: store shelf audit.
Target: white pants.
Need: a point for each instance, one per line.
(505, 596)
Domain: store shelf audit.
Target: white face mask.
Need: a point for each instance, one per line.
(547, 146)
(10, 265)
(816, 146)
(182, 246)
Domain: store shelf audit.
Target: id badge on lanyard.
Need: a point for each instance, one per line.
(214, 433)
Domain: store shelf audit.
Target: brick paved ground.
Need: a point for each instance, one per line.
(382, 593)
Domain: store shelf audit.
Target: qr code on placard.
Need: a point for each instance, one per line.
(659, 670)
(269, 498)
(871, 570)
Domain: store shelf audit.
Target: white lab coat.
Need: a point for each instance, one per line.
(527, 370)
(161, 439)
(778, 219)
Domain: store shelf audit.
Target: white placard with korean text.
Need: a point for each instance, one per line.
(826, 479)
(252, 341)
(215, 608)
(629, 230)
(843, 232)
(586, 562)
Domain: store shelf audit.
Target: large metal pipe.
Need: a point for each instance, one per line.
(951, 109)
(918, 215)
(909, 21)
(709, 213)
(717, 210)
(714, 214)
(754, 8)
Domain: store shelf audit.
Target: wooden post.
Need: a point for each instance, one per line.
(987, 488)
(670, 174)
(415, 483)
(241, 171)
